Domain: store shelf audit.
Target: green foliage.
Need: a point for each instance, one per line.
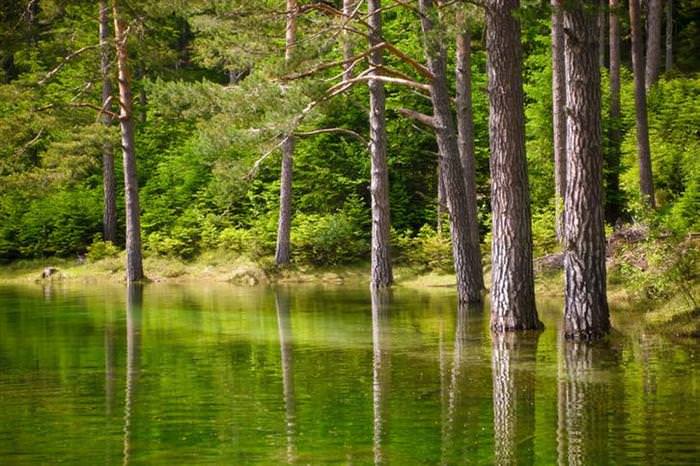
(99, 249)
(426, 251)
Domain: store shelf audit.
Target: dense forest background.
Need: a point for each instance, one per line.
(212, 96)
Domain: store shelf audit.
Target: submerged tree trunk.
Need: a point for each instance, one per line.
(284, 222)
(468, 286)
(653, 61)
(613, 199)
(134, 266)
(109, 212)
(558, 115)
(640, 103)
(465, 136)
(586, 312)
(512, 289)
(669, 35)
(381, 273)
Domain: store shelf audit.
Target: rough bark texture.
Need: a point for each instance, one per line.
(284, 221)
(653, 59)
(381, 273)
(284, 327)
(669, 35)
(512, 289)
(381, 370)
(465, 139)
(586, 306)
(348, 7)
(558, 114)
(640, 103)
(513, 366)
(613, 200)
(109, 212)
(134, 266)
(468, 286)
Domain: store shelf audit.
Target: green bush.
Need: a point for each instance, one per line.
(236, 240)
(99, 250)
(327, 239)
(427, 251)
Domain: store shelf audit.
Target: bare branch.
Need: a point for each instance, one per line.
(385, 79)
(427, 120)
(29, 144)
(349, 132)
(81, 105)
(419, 67)
(65, 60)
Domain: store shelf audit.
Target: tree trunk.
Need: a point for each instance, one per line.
(109, 213)
(512, 289)
(601, 33)
(465, 139)
(653, 62)
(613, 198)
(586, 312)
(466, 268)
(558, 115)
(669, 35)
(381, 274)
(284, 222)
(348, 8)
(643, 151)
(441, 202)
(134, 267)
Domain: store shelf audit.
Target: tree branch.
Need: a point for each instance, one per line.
(427, 120)
(100, 110)
(346, 131)
(66, 59)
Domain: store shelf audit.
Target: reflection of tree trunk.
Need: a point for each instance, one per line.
(284, 327)
(109, 363)
(134, 301)
(380, 368)
(513, 363)
(582, 405)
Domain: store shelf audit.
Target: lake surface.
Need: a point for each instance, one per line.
(225, 375)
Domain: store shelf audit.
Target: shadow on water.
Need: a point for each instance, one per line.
(284, 326)
(134, 316)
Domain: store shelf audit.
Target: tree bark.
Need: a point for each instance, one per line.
(586, 312)
(643, 151)
(512, 289)
(381, 274)
(284, 221)
(468, 286)
(601, 33)
(465, 139)
(348, 7)
(109, 213)
(558, 115)
(653, 59)
(669, 35)
(134, 266)
(613, 199)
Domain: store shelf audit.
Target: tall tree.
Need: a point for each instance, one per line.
(465, 137)
(512, 288)
(284, 222)
(134, 263)
(613, 198)
(464, 255)
(640, 104)
(669, 35)
(586, 306)
(558, 114)
(601, 33)
(381, 273)
(109, 213)
(653, 59)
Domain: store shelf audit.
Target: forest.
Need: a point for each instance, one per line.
(465, 138)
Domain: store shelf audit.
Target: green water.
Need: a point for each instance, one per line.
(223, 375)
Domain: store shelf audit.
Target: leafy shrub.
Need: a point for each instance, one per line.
(426, 251)
(327, 239)
(236, 240)
(99, 250)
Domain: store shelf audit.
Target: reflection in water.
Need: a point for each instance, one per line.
(583, 403)
(380, 369)
(284, 327)
(109, 361)
(134, 302)
(513, 366)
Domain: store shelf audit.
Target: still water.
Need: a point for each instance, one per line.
(224, 375)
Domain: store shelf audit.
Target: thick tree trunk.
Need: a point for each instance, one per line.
(284, 327)
(669, 35)
(613, 199)
(381, 273)
(134, 266)
(348, 49)
(284, 222)
(512, 289)
(465, 139)
(586, 312)
(558, 115)
(468, 285)
(653, 61)
(109, 212)
(643, 151)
